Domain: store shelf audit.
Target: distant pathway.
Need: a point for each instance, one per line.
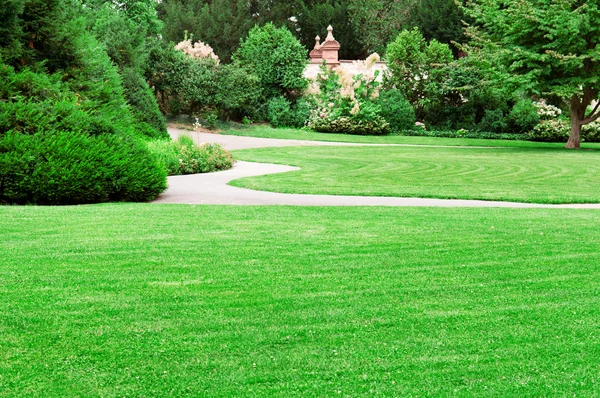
(213, 188)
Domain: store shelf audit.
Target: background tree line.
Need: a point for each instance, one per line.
(362, 27)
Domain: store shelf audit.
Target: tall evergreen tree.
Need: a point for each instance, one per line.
(440, 20)
(377, 22)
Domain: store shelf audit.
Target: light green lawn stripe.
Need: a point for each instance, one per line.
(293, 301)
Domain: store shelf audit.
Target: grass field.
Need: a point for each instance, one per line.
(166, 300)
(539, 175)
(263, 131)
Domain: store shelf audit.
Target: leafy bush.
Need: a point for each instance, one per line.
(276, 57)
(181, 84)
(558, 130)
(524, 116)
(396, 110)
(239, 92)
(493, 121)
(67, 134)
(418, 69)
(591, 132)
(72, 168)
(554, 130)
(184, 157)
(279, 112)
(301, 113)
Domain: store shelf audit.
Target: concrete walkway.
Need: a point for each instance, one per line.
(213, 188)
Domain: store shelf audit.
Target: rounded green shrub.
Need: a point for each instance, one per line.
(279, 112)
(276, 57)
(57, 168)
(493, 121)
(524, 116)
(396, 110)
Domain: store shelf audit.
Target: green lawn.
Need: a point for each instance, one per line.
(165, 300)
(542, 175)
(296, 134)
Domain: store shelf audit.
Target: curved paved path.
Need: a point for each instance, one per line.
(213, 188)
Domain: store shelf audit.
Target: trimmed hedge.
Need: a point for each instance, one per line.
(463, 134)
(58, 168)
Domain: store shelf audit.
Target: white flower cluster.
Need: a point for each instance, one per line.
(365, 68)
(366, 76)
(197, 50)
(547, 112)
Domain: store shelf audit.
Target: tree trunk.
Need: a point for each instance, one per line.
(575, 136)
(577, 114)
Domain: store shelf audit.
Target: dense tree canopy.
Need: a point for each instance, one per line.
(361, 27)
(547, 46)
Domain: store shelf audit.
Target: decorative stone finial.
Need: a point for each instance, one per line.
(329, 33)
(318, 42)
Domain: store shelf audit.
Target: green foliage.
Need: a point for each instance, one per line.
(122, 29)
(440, 20)
(10, 29)
(463, 133)
(239, 92)
(39, 103)
(66, 130)
(556, 130)
(494, 120)
(220, 23)
(276, 57)
(524, 116)
(396, 110)
(418, 69)
(546, 47)
(314, 17)
(185, 85)
(181, 84)
(184, 157)
(301, 113)
(72, 168)
(143, 104)
(45, 31)
(376, 21)
(279, 112)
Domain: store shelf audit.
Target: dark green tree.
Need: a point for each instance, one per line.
(376, 22)
(277, 58)
(310, 20)
(440, 20)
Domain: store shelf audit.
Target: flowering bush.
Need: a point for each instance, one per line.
(550, 130)
(547, 112)
(349, 103)
(197, 50)
(554, 128)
